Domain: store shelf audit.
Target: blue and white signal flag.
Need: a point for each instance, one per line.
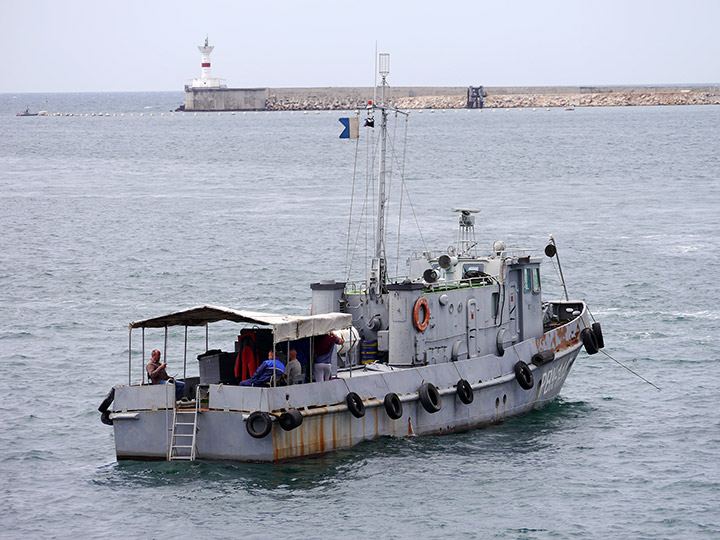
(351, 131)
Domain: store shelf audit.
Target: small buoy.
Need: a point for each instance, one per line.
(162, 114)
(219, 114)
(547, 109)
(232, 113)
(142, 114)
(292, 112)
(534, 109)
(194, 114)
(305, 112)
(207, 114)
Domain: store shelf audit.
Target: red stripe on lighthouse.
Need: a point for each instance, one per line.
(206, 64)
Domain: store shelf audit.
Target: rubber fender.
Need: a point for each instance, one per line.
(524, 375)
(543, 357)
(355, 405)
(393, 406)
(105, 418)
(589, 340)
(107, 401)
(290, 419)
(430, 397)
(597, 330)
(464, 391)
(258, 424)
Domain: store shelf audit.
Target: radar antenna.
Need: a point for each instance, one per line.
(466, 234)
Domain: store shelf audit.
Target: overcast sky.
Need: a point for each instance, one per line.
(130, 45)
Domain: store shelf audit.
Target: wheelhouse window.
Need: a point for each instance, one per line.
(527, 280)
(536, 280)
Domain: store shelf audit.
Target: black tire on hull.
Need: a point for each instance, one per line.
(107, 401)
(589, 340)
(355, 405)
(290, 419)
(430, 398)
(464, 391)
(524, 375)
(393, 406)
(543, 357)
(597, 330)
(258, 424)
(103, 408)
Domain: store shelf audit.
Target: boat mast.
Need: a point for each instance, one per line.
(378, 271)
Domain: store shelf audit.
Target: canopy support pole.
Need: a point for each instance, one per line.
(143, 353)
(165, 349)
(275, 360)
(185, 356)
(207, 338)
(130, 356)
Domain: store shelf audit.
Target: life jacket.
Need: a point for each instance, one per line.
(246, 362)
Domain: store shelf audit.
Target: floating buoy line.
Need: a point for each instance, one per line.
(245, 113)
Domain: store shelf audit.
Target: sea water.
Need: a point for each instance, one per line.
(114, 218)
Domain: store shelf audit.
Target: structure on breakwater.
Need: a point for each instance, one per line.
(212, 94)
(209, 94)
(437, 97)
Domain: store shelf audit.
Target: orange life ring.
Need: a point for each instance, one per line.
(421, 325)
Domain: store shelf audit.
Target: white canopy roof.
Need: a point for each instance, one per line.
(286, 327)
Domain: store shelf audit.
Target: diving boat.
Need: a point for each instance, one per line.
(26, 112)
(463, 341)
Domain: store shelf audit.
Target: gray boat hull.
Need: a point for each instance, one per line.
(143, 415)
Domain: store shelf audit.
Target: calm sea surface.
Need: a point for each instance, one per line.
(104, 220)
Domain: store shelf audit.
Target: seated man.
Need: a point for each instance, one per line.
(264, 374)
(293, 371)
(158, 375)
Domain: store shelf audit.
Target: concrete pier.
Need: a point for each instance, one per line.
(438, 97)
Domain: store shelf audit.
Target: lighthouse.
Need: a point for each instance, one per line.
(206, 81)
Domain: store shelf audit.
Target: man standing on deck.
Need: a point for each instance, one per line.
(158, 375)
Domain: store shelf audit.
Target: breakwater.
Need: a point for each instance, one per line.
(439, 97)
(494, 97)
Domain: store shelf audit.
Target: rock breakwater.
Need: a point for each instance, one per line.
(611, 99)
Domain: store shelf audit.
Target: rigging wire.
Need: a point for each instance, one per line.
(389, 188)
(402, 183)
(630, 370)
(352, 200)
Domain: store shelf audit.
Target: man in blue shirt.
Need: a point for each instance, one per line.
(264, 374)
